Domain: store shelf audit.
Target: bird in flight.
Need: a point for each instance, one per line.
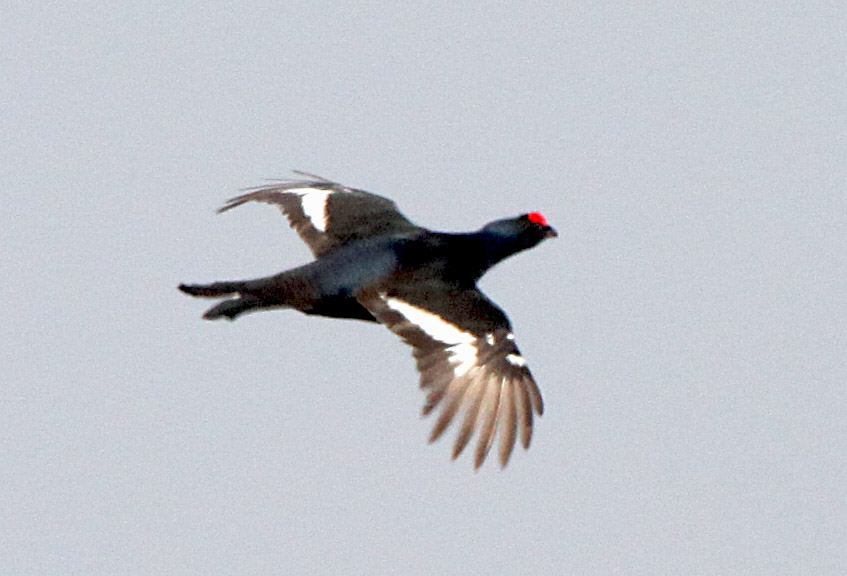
(372, 263)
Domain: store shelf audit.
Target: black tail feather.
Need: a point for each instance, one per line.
(229, 309)
(211, 290)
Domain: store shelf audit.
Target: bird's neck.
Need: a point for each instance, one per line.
(478, 251)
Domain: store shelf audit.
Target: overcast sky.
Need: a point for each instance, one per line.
(687, 328)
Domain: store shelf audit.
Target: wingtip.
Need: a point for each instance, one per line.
(312, 176)
(232, 203)
(526, 437)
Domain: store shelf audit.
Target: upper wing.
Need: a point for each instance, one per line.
(466, 354)
(326, 214)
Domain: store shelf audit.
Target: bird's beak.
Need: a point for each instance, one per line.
(550, 232)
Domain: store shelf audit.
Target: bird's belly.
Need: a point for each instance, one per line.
(340, 307)
(332, 281)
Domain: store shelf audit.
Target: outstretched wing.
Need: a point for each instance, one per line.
(467, 357)
(326, 214)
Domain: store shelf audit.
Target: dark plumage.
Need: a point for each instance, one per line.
(371, 263)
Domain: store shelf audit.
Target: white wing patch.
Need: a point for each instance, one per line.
(516, 360)
(431, 324)
(461, 345)
(463, 357)
(314, 204)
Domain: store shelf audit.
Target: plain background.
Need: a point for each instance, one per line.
(687, 328)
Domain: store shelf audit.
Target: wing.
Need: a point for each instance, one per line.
(326, 214)
(467, 357)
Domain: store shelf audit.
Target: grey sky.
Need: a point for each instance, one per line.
(687, 328)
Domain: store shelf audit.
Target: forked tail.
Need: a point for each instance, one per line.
(229, 308)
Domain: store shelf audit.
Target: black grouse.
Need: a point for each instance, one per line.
(371, 263)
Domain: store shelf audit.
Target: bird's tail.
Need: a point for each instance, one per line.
(229, 308)
(212, 290)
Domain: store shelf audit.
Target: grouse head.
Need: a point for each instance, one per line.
(503, 238)
(519, 233)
